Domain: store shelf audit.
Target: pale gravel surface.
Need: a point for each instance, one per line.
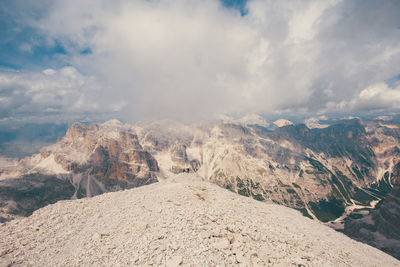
(180, 221)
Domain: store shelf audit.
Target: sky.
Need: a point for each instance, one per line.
(189, 59)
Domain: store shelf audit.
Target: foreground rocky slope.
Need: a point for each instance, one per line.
(183, 220)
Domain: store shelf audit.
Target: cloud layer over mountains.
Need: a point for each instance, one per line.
(199, 58)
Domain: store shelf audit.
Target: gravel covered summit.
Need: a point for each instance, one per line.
(180, 221)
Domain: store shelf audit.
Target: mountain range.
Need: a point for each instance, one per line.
(345, 174)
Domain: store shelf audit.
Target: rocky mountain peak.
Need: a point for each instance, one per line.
(282, 122)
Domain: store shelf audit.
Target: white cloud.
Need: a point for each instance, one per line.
(376, 98)
(49, 72)
(51, 92)
(196, 58)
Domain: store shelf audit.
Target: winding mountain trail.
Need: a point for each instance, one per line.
(180, 221)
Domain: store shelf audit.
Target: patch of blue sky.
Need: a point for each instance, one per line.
(394, 81)
(31, 57)
(21, 46)
(86, 51)
(237, 4)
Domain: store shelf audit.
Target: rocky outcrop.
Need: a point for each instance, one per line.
(89, 160)
(110, 153)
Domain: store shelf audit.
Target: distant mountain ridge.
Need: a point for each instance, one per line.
(323, 172)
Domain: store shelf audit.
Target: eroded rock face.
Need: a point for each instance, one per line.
(129, 169)
(90, 159)
(111, 154)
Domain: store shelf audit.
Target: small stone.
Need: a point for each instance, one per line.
(6, 263)
(236, 251)
(263, 254)
(96, 236)
(174, 246)
(141, 225)
(221, 244)
(240, 259)
(174, 261)
(231, 239)
(256, 237)
(231, 228)
(238, 241)
(204, 234)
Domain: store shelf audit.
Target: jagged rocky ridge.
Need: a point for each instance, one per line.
(180, 221)
(322, 172)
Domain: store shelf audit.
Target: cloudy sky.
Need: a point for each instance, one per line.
(190, 59)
